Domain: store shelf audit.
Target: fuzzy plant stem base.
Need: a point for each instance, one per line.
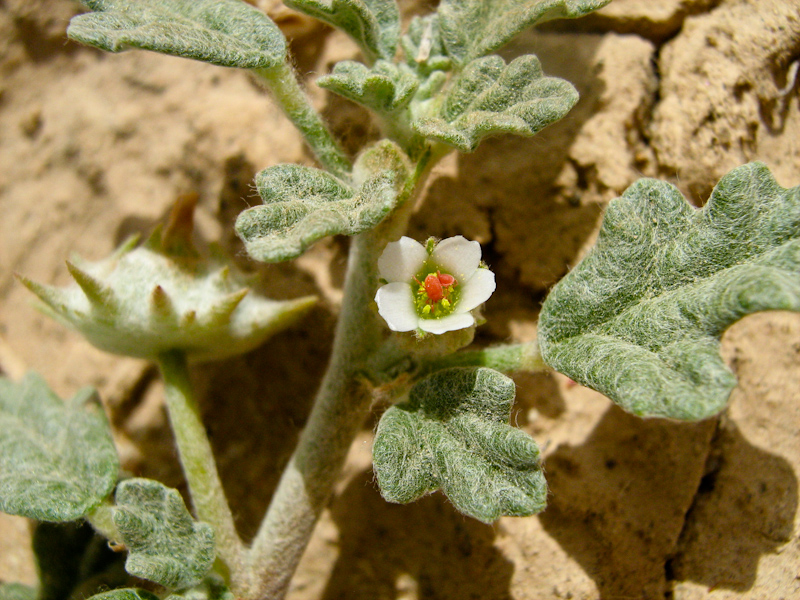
(199, 467)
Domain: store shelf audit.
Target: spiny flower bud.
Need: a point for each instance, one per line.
(164, 296)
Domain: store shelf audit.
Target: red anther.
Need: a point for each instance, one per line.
(433, 288)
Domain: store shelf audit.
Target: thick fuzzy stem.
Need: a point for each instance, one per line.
(339, 410)
(197, 459)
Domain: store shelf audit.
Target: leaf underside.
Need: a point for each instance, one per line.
(125, 594)
(165, 544)
(641, 317)
(373, 24)
(491, 97)
(453, 434)
(473, 28)
(302, 205)
(228, 33)
(57, 459)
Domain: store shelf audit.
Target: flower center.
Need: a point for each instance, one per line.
(436, 293)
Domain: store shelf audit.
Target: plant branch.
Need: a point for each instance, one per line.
(199, 466)
(339, 410)
(506, 359)
(282, 82)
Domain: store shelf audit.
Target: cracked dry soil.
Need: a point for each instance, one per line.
(96, 146)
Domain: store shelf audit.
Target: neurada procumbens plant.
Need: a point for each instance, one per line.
(639, 318)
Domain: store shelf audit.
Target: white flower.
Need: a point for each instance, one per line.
(432, 288)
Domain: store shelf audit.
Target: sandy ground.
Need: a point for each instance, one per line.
(95, 146)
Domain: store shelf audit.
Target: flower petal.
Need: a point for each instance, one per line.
(396, 306)
(476, 290)
(458, 257)
(448, 323)
(401, 260)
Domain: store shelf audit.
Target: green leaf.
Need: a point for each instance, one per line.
(490, 98)
(228, 33)
(473, 28)
(640, 318)
(373, 24)
(453, 434)
(303, 205)
(125, 594)
(57, 459)
(165, 544)
(17, 591)
(385, 88)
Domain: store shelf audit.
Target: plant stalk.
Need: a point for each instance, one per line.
(282, 82)
(199, 466)
(339, 410)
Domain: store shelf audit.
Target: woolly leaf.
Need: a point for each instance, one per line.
(17, 591)
(453, 434)
(57, 459)
(490, 98)
(640, 318)
(165, 544)
(384, 88)
(473, 28)
(228, 33)
(373, 24)
(125, 594)
(303, 205)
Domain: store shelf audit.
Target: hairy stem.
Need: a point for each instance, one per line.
(282, 82)
(197, 459)
(102, 520)
(339, 410)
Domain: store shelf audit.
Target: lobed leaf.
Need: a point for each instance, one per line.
(165, 544)
(373, 24)
(228, 33)
(453, 434)
(302, 205)
(473, 28)
(384, 88)
(57, 459)
(490, 98)
(640, 318)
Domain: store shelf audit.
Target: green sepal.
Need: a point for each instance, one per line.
(17, 591)
(57, 458)
(373, 24)
(125, 594)
(491, 98)
(473, 28)
(385, 88)
(640, 318)
(165, 545)
(302, 204)
(453, 434)
(228, 33)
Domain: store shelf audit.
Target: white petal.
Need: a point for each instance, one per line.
(476, 290)
(449, 323)
(396, 306)
(457, 256)
(401, 260)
